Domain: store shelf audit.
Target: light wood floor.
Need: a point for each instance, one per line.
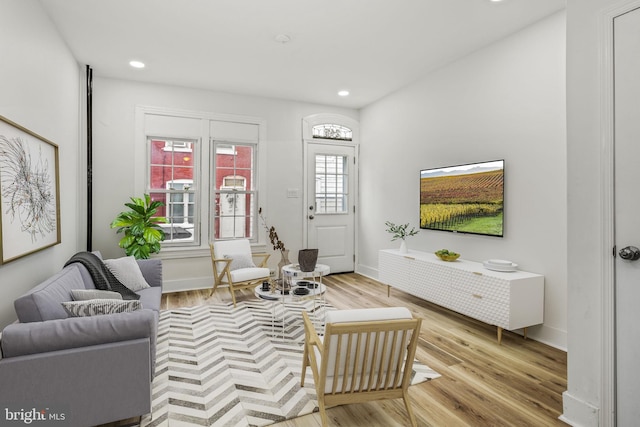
(518, 383)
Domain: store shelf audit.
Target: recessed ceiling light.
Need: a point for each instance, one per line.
(136, 64)
(343, 93)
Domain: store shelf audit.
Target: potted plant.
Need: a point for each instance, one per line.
(401, 231)
(142, 234)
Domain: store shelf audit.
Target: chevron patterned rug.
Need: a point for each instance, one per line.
(217, 365)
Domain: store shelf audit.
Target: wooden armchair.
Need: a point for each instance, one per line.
(233, 266)
(365, 355)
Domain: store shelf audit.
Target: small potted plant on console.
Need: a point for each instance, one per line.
(401, 231)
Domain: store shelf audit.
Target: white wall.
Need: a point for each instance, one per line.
(39, 87)
(114, 137)
(506, 101)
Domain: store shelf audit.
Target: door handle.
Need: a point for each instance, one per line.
(630, 253)
(311, 216)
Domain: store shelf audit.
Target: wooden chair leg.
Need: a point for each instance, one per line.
(323, 412)
(233, 296)
(305, 363)
(407, 404)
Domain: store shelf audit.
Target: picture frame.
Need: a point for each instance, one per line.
(29, 192)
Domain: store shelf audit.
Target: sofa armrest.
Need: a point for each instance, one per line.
(89, 386)
(21, 339)
(151, 270)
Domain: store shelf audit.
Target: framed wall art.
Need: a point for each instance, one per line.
(29, 192)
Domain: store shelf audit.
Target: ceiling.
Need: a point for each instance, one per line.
(368, 47)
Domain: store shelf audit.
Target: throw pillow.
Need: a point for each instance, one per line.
(240, 261)
(87, 294)
(128, 272)
(96, 307)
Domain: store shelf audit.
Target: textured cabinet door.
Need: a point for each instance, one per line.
(415, 276)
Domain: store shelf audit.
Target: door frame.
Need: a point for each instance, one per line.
(308, 123)
(608, 373)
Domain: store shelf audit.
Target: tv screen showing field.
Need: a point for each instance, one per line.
(464, 199)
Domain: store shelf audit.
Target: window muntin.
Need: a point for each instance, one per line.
(332, 190)
(173, 181)
(235, 190)
(332, 131)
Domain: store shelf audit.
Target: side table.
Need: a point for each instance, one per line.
(281, 296)
(292, 273)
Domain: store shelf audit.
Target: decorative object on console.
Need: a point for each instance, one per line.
(401, 231)
(142, 234)
(463, 199)
(500, 265)
(307, 258)
(30, 187)
(447, 255)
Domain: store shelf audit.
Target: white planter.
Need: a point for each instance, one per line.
(403, 247)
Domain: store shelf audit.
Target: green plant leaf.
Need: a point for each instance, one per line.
(140, 225)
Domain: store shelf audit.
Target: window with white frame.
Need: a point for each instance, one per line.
(173, 180)
(204, 168)
(234, 187)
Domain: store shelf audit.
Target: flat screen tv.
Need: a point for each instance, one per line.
(463, 199)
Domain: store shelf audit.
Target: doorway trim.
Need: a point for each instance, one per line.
(607, 197)
(308, 123)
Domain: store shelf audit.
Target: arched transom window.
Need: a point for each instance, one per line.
(332, 131)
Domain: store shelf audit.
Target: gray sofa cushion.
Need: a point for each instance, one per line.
(97, 307)
(44, 302)
(20, 339)
(150, 298)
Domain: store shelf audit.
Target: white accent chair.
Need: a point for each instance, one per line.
(365, 355)
(233, 266)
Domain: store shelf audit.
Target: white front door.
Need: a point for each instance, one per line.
(627, 215)
(330, 200)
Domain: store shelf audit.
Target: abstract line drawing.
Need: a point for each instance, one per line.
(29, 192)
(27, 186)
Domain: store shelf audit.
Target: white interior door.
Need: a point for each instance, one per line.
(627, 215)
(330, 200)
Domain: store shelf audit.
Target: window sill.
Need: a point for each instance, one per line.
(199, 252)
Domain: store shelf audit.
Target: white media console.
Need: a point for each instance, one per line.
(510, 300)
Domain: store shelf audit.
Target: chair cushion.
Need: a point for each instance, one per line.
(240, 261)
(249, 274)
(222, 248)
(367, 314)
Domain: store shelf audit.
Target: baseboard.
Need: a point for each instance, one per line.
(577, 412)
(365, 270)
(190, 284)
(552, 337)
